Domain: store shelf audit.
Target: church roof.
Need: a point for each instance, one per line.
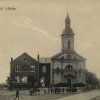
(58, 55)
(67, 29)
(79, 57)
(63, 55)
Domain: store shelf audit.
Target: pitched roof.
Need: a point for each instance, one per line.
(57, 55)
(25, 56)
(63, 55)
(79, 57)
(68, 31)
(45, 60)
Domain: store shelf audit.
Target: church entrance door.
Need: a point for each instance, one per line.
(69, 82)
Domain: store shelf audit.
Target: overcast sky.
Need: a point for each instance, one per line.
(36, 25)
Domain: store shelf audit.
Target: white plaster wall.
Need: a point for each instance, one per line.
(57, 64)
(80, 64)
(57, 78)
(81, 77)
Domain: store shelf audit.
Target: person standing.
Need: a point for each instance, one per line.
(17, 94)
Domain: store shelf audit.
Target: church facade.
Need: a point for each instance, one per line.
(68, 66)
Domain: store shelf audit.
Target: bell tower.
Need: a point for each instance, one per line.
(67, 37)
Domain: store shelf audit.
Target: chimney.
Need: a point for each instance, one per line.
(11, 59)
(45, 60)
(38, 57)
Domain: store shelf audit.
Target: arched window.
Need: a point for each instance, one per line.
(69, 67)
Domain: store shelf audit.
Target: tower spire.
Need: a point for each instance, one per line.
(67, 18)
(67, 36)
(67, 21)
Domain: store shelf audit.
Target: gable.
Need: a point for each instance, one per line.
(63, 55)
(25, 57)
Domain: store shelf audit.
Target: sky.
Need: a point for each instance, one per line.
(35, 26)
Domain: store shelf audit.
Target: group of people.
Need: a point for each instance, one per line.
(34, 91)
(55, 90)
(58, 90)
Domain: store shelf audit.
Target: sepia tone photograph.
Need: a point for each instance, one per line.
(49, 50)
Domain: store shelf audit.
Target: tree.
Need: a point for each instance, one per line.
(91, 80)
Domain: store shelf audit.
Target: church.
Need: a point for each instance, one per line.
(68, 66)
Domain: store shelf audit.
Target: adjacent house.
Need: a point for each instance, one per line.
(23, 71)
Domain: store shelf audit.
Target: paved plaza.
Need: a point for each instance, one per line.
(91, 95)
(24, 95)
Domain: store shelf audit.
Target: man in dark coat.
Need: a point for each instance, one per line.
(17, 94)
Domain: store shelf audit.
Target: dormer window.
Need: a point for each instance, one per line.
(17, 68)
(32, 68)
